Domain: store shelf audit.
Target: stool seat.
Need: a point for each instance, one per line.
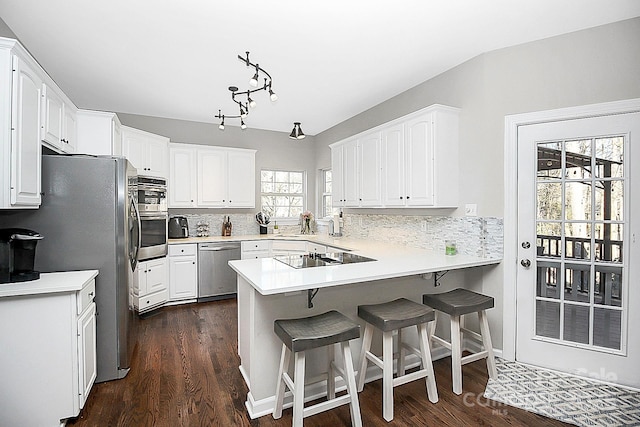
(397, 314)
(316, 331)
(458, 302)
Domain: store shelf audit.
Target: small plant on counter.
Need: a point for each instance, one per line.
(307, 217)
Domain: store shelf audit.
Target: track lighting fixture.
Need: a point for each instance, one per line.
(297, 133)
(249, 103)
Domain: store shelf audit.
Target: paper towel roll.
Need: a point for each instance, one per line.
(336, 224)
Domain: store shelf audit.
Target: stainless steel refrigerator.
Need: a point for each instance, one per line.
(89, 220)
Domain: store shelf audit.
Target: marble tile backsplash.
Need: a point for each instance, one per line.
(479, 236)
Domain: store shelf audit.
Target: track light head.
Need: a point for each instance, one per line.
(242, 125)
(272, 95)
(252, 103)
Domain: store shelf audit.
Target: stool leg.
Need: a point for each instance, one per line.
(431, 330)
(285, 357)
(486, 342)
(366, 346)
(331, 375)
(387, 375)
(402, 355)
(427, 363)
(356, 420)
(456, 355)
(298, 388)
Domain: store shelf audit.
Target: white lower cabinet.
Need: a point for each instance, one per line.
(151, 290)
(255, 249)
(48, 357)
(183, 272)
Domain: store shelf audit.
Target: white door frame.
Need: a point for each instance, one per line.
(510, 264)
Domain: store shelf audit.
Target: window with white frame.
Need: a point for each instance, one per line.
(327, 205)
(282, 193)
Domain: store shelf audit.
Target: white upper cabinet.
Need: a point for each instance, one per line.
(369, 175)
(147, 152)
(241, 178)
(409, 162)
(393, 165)
(211, 177)
(182, 176)
(99, 133)
(58, 127)
(20, 149)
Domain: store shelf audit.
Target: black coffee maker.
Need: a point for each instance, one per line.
(17, 255)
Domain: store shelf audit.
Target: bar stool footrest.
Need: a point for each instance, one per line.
(326, 405)
(473, 357)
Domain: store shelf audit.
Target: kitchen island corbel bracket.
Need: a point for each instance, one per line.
(311, 294)
(437, 276)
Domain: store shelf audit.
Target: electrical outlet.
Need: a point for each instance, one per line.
(471, 209)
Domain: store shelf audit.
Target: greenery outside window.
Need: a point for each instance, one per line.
(282, 193)
(327, 205)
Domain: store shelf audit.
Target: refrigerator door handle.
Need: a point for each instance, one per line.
(134, 255)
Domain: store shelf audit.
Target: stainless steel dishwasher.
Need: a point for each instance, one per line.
(216, 280)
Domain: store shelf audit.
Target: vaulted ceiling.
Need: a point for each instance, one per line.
(329, 60)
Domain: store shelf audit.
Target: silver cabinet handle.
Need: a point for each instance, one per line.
(525, 263)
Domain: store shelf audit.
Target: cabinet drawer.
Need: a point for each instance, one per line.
(256, 254)
(86, 296)
(184, 249)
(290, 245)
(152, 300)
(255, 245)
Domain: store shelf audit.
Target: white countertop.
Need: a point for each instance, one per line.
(66, 281)
(269, 276)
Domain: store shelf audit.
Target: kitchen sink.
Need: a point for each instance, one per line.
(321, 260)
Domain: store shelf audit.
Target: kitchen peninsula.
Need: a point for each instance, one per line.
(269, 289)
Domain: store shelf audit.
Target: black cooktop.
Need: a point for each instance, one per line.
(321, 260)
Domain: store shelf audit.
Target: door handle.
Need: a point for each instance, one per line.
(525, 263)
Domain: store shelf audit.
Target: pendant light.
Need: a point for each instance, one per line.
(297, 133)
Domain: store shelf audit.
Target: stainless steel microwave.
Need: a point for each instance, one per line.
(152, 194)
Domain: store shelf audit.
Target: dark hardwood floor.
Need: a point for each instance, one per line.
(185, 373)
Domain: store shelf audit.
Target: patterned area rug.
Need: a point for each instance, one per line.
(564, 397)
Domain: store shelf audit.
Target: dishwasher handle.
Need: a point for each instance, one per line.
(217, 248)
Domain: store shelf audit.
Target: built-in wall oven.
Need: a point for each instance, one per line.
(152, 205)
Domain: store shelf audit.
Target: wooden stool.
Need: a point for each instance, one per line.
(299, 335)
(457, 303)
(388, 317)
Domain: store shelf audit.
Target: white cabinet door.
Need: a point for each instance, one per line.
(70, 130)
(351, 173)
(183, 278)
(337, 176)
(25, 142)
(182, 177)
(393, 162)
(87, 359)
(157, 156)
(155, 275)
(241, 179)
(419, 161)
(98, 133)
(147, 152)
(134, 148)
(212, 178)
(53, 118)
(370, 193)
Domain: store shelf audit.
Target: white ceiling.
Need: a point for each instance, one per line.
(329, 59)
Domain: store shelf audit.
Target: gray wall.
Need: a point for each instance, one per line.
(5, 31)
(596, 65)
(274, 149)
